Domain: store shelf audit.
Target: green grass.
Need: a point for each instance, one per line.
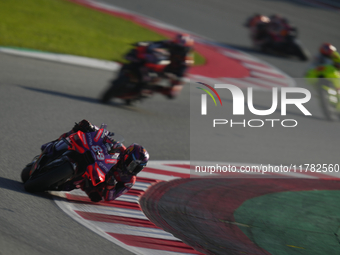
(63, 27)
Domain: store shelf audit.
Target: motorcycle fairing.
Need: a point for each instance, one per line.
(94, 142)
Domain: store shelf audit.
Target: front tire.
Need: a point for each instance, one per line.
(299, 51)
(25, 173)
(52, 177)
(303, 54)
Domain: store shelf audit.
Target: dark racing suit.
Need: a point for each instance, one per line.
(178, 56)
(145, 57)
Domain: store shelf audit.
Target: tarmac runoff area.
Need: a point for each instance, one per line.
(249, 216)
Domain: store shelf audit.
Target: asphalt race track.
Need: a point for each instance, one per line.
(222, 21)
(39, 100)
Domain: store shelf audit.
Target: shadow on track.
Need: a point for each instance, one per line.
(242, 48)
(251, 50)
(80, 98)
(19, 187)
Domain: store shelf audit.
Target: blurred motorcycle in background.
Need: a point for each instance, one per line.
(275, 35)
(159, 70)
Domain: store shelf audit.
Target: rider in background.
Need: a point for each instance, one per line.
(265, 30)
(328, 55)
(325, 65)
(279, 27)
(120, 178)
(146, 56)
(180, 49)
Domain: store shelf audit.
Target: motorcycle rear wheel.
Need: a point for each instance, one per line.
(52, 177)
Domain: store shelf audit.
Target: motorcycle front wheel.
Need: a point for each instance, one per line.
(299, 51)
(25, 173)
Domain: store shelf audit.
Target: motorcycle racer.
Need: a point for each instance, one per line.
(266, 30)
(324, 76)
(147, 55)
(326, 64)
(275, 35)
(278, 26)
(120, 178)
(328, 55)
(180, 49)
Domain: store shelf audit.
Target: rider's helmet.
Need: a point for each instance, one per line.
(258, 19)
(135, 158)
(184, 40)
(327, 50)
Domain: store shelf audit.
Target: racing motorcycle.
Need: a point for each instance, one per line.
(325, 78)
(127, 86)
(284, 43)
(79, 160)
